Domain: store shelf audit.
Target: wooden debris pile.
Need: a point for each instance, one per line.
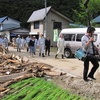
(11, 64)
(14, 68)
(3, 51)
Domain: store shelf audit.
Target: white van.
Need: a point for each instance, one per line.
(73, 37)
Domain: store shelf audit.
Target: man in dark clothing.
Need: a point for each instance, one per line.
(31, 46)
(47, 45)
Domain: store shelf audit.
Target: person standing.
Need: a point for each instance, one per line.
(89, 48)
(18, 41)
(27, 42)
(60, 46)
(35, 45)
(41, 44)
(31, 46)
(47, 45)
(1, 41)
(22, 42)
(14, 42)
(5, 42)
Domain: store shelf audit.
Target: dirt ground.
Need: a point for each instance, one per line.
(73, 79)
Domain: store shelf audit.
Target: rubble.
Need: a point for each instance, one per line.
(3, 50)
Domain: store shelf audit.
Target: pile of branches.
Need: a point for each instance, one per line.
(3, 50)
(14, 68)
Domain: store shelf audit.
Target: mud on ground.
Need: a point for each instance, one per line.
(78, 86)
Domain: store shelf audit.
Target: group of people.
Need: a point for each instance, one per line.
(32, 43)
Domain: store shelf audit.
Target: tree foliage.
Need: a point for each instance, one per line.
(74, 9)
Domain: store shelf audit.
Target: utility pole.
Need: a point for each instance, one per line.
(45, 28)
(86, 5)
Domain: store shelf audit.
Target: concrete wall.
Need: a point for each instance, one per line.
(39, 31)
(53, 17)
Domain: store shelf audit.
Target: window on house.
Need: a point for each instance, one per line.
(36, 25)
(57, 25)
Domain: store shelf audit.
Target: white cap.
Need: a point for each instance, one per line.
(19, 35)
(34, 36)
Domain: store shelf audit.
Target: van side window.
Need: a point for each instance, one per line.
(79, 36)
(95, 37)
(69, 37)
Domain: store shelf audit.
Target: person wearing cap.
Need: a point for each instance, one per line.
(5, 42)
(89, 48)
(41, 44)
(18, 42)
(31, 46)
(35, 45)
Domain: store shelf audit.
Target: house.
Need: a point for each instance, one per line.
(45, 20)
(11, 27)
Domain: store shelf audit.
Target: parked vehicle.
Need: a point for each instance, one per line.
(73, 37)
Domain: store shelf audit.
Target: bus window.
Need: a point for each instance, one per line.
(79, 36)
(69, 37)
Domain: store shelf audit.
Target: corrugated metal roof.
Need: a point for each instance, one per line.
(38, 15)
(97, 19)
(2, 19)
(8, 29)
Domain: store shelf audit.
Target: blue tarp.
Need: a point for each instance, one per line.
(13, 35)
(77, 25)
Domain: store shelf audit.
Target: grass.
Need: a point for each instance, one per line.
(38, 89)
(53, 49)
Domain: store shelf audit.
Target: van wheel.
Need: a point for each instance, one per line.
(67, 53)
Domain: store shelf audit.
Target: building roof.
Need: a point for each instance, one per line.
(9, 29)
(38, 15)
(41, 14)
(97, 19)
(3, 18)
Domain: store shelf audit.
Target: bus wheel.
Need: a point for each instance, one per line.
(67, 53)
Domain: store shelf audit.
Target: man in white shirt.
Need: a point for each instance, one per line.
(41, 44)
(60, 46)
(18, 41)
(27, 42)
